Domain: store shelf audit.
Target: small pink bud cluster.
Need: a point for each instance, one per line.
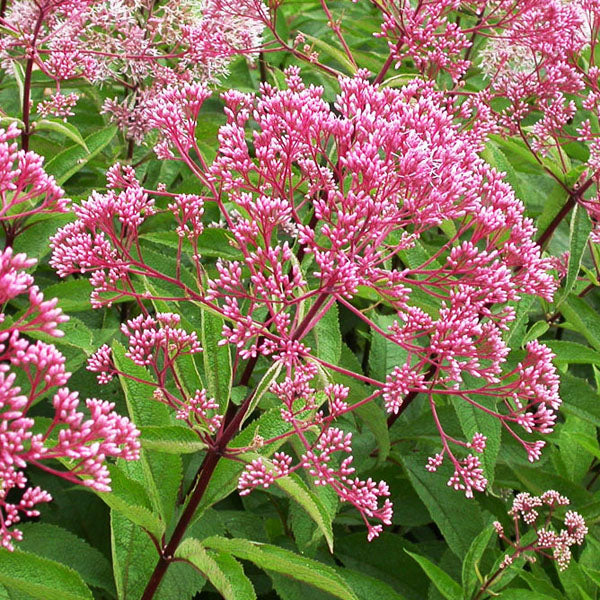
(81, 439)
(25, 188)
(528, 509)
(323, 202)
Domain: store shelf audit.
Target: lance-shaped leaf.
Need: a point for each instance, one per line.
(41, 577)
(220, 568)
(288, 563)
(442, 581)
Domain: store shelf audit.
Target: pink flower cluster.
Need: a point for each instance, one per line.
(80, 442)
(140, 44)
(527, 508)
(325, 203)
(25, 188)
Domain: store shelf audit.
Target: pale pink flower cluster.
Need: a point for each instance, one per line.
(529, 509)
(141, 44)
(530, 55)
(80, 440)
(157, 343)
(327, 201)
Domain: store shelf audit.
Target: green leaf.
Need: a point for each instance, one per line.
(212, 243)
(226, 475)
(523, 594)
(19, 75)
(134, 559)
(593, 574)
(470, 566)
(578, 446)
(63, 128)
(56, 543)
(77, 335)
(40, 577)
(442, 581)
(518, 148)
(458, 518)
(129, 498)
(68, 162)
(73, 294)
(272, 558)
(163, 472)
(579, 399)
(517, 327)
(474, 420)
(580, 229)
(333, 52)
(584, 318)
(294, 487)
(368, 588)
(262, 388)
(220, 568)
(217, 359)
(170, 439)
(384, 355)
(573, 353)
(538, 329)
(375, 419)
(328, 336)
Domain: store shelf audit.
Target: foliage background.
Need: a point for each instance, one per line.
(98, 539)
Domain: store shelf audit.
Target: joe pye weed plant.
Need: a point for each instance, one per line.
(332, 269)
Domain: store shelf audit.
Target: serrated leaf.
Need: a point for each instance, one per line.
(593, 574)
(68, 162)
(77, 335)
(129, 498)
(580, 229)
(170, 439)
(458, 518)
(163, 472)
(366, 587)
(333, 52)
(226, 475)
(584, 318)
(266, 556)
(535, 331)
(474, 420)
(518, 326)
(470, 566)
(41, 577)
(217, 359)
(262, 388)
(573, 353)
(134, 559)
(328, 336)
(296, 489)
(220, 568)
(579, 399)
(56, 543)
(578, 446)
(523, 594)
(376, 420)
(384, 355)
(212, 242)
(442, 581)
(73, 294)
(63, 128)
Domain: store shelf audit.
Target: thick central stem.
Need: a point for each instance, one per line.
(204, 475)
(206, 470)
